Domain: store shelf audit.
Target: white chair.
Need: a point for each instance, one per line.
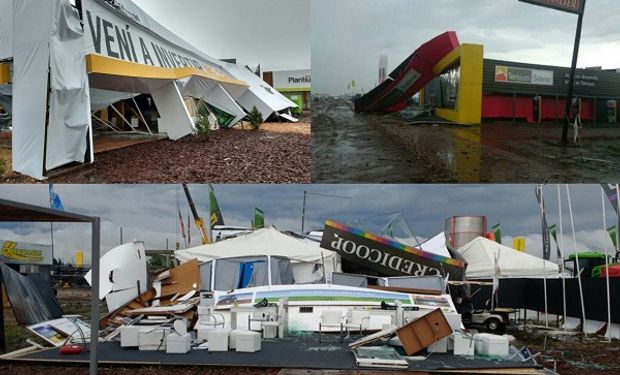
(357, 320)
(331, 319)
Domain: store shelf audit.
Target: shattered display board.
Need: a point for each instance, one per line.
(57, 331)
(379, 356)
(32, 301)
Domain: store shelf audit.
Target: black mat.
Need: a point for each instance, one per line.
(290, 352)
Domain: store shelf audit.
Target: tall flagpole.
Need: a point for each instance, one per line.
(51, 225)
(544, 228)
(608, 333)
(572, 222)
(562, 256)
(618, 221)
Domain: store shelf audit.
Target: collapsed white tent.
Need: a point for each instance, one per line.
(266, 99)
(119, 48)
(269, 242)
(437, 245)
(480, 256)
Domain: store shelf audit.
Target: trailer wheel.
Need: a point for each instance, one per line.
(493, 324)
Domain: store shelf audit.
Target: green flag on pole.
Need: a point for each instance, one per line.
(612, 234)
(259, 219)
(497, 233)
(215, 215)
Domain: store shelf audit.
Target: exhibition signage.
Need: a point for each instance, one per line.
(121, 35)
(292, 79)
(511, 74)
(387, 257)
(572, 6)
(25, 253)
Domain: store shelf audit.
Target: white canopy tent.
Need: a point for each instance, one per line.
(270, 242)
(480, 256)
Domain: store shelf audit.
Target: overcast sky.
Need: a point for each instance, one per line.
(348, 36)
(273, 33)
(149, 212)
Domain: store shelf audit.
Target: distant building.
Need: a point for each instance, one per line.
(294, 84)
(532, 93)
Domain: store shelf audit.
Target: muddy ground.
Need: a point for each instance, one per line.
(277, 153)
(573, 354)
(350, 147)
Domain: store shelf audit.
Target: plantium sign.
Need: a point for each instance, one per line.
(388, 257)
(572, 6)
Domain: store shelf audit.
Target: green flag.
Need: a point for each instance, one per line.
(215, 215)
(554, 233)
(259, 218)
(497, 232)
(612, 234)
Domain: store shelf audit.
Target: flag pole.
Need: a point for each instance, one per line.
(51, 225)
(544, 228)
(562, 256)
(618, 221)
(608, 333)
(572, 222)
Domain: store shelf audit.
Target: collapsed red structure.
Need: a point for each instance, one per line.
(409, 77)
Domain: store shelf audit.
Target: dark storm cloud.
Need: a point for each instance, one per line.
(149, 212)
(273, 33)
(349, 35)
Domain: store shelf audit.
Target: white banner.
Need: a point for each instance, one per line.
(111, 33)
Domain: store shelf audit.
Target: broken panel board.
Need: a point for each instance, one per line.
(425, 330)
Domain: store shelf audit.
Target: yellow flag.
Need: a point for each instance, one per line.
(79, 258)
(518, 243)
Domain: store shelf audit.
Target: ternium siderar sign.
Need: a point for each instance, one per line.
(387, 257)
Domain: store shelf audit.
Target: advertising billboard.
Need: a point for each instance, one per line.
(25, 253)
(526, 76)
(387, 257)
(572, 6)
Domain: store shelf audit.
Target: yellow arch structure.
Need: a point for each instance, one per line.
(468, 108)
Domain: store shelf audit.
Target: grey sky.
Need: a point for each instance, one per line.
(274, 33)
(149, 213)
(349, 35)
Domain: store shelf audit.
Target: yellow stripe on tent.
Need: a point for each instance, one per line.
(5, 74)
(97, 64)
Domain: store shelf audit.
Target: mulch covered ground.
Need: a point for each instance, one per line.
(277, 153)
(75, 370)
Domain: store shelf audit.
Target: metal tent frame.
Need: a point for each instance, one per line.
(17, 212)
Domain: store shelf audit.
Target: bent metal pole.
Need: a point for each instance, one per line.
(571, 80)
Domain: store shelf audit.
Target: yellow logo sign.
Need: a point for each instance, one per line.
(10, 251)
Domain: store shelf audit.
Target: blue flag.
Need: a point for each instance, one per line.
(55, 202)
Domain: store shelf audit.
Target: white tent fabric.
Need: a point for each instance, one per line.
(69, 116)
(480, 257)
(266, 241)
(437, 245)
(102, 99)
(32, 29)
(212, 93)
(6, 29)
(267, 99)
